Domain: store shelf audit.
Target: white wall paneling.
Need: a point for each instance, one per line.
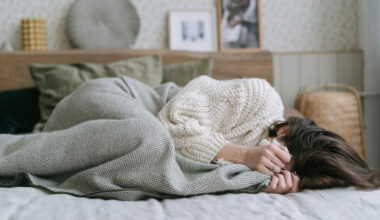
(289, 77)
(348, 65)
(294, 71)
(308, 75)
(327, 68)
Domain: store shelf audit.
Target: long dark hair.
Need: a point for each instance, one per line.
(322, 159)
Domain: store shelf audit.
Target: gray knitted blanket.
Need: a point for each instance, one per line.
(104, 141)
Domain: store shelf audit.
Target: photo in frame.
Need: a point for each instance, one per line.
(239, 25)
(193, 30)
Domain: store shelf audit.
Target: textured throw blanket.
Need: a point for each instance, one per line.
(105, 141)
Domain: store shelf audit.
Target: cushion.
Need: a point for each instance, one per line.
(103, 24)
(55, 81)
(183, 73)
(19, 111)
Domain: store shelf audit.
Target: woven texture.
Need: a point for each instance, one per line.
(208, 114)
(104, 141)
(335, 107)
(33, 34)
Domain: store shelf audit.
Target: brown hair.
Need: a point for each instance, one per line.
(322, 159)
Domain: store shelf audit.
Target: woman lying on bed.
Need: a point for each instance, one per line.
(241, 121)
(117, 138)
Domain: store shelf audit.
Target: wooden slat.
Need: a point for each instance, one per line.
(357, 71)
(277, 72)
(14, 72)
(346, 69)
(308, 69)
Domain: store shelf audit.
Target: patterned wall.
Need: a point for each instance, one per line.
(304, 25)
(288, 25)
(12, 11)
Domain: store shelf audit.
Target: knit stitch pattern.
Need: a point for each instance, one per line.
(208, 114)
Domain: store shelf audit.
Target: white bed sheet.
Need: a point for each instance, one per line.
(30, 203)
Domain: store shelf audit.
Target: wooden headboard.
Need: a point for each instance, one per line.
(14, 73)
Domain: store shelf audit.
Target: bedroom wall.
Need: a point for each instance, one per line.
(296, 70)
(287, 25)
(302, 26)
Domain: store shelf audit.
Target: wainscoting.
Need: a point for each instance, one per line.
(293, 71)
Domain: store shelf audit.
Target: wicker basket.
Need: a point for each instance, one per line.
(335, 107)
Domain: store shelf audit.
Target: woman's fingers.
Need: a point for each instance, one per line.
(268, 159)
(272, 186)
(296, 181)
(281, 186)
(280, 183)
(271, 166)
(276, 161)
(288, 179)
(284, 148)
(262, 168)
(281, 154)
(285, 182)
(274, 183)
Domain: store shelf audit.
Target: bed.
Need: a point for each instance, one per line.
(34, 203)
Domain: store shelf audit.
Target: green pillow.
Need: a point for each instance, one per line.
(55, 81)
(183, 73)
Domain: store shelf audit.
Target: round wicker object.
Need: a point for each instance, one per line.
(335, 107)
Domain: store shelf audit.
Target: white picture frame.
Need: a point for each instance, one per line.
(193, 30)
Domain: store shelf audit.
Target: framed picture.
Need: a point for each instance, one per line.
(193, 30)
(239, 24)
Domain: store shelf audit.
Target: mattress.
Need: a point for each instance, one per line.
(340, 203)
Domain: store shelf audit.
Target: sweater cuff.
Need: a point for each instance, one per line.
(204, 148)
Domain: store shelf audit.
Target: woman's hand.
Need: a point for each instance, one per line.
(285, 182)
(268, 159)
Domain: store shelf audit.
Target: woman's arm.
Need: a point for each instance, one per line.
(268, 159)
(233, 153)
(282, 181)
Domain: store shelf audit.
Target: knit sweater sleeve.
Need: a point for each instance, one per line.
(192, 118)
(207, 114)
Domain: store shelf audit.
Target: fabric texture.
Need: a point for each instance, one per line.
(183, 73)
(104, 141)
(55, 81)
(103, 24)
(19, 110)
(208, 114)
(22, 203)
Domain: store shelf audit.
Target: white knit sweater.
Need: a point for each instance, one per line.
(207, 114)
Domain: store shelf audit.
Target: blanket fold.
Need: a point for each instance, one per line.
(105, 141)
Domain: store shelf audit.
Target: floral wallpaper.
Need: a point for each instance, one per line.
(287, 25)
